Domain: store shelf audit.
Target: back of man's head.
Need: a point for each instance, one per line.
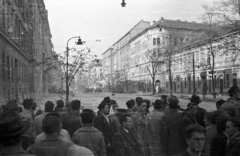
(87, 116)
(51, 125)
(27, 103)
(138, 100)
(49, 106)
(192, 129)
(60, 103)
(76, 104)
(130, 103)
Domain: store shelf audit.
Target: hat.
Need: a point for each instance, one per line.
(102, 105)
(164, 96)
(12, 106)
(107, 100)
(11, 124)
(130, 102)
(233, 89)
(173, 101)
(196, 99)
(157, 103)
(121, 111)
(113, 102)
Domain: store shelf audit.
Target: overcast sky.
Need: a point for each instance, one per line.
(107, 21)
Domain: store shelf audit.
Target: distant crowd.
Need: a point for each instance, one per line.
(63, 129)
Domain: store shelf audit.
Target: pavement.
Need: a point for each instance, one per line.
(92, 100)
(188, 96)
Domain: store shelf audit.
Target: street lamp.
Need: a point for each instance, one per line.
(79, 42)
(123, 4)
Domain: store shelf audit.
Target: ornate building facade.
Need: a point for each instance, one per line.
(25, 40)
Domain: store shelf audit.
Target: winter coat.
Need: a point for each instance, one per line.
(210, 134)
(233, 146)
(199, 116)
(170, 133)
(154, 127)
(91, 138)
(13, 151)
(29, 135)
(56, 147)
(115, 122)
(105, 127)
(187, 119)
(126, 144)
(218, 144)
(231, 103)
(186, 153)
(38, 122)
(139, 126)
(50, 147)
(71, 122)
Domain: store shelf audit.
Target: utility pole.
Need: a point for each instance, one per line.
(193, 73)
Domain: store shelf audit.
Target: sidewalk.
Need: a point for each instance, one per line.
(187, 96)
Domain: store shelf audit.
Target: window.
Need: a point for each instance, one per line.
(12, 71)
(8, 68)
(227, 81)
(3, 67)
(158, 41)
(154, 41)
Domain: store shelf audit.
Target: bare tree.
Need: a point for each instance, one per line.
(210, 36)
(172, 41)
(152, 66)
(78, 63)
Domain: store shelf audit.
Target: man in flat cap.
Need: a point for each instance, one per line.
(233, 101)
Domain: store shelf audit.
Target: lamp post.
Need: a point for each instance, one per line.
(123, 4)
(79, 42)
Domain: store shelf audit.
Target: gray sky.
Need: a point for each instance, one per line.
(108, 21)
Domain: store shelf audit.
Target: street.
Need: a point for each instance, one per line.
(92, 100)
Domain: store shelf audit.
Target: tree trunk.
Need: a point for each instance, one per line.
(153, 84)
(67, 92)
(170, 78)
(213, 80)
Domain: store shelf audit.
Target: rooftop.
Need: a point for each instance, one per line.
(179, 24)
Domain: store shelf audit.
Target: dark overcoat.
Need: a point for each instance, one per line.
(218, 144)
(126, 144)
(186, 153)
(170, 133)
(105, 127)
(233, 146)
(186, 120)
(200, 116)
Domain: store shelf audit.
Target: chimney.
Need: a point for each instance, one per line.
(154, 22)
(162, 18)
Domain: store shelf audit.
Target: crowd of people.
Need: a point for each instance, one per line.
(169, 130)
